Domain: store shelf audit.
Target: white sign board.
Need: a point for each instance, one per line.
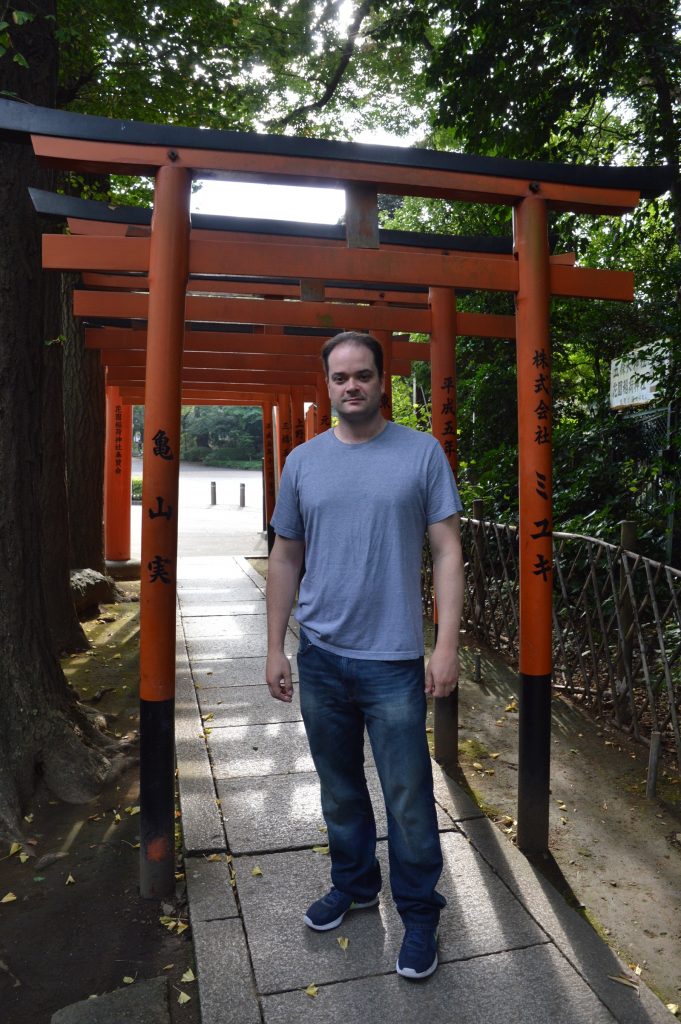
(634, 381)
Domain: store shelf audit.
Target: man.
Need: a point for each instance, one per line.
(355, 502)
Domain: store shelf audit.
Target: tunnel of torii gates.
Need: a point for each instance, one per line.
(215, 310)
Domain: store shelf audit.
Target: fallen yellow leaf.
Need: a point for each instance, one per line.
(9, 898)
(320, 849)
(673, 1008)
(343, 942)
(127, 980)
(256, 872)
(23, 857)
(311, 991)
(168, 967)
(181, 927)
(70, 880)
(188, 975)
(494, 756)
(14, 848)
(477, 765)
(209, 717)
(215, 856)
(183, 998)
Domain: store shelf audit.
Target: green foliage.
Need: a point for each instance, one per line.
(221, 435)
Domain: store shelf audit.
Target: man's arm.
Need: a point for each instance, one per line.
(442, 675)
(283, 574)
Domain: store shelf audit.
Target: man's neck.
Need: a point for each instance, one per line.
(357, 433)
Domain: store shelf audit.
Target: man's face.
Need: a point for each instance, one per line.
(355, 389)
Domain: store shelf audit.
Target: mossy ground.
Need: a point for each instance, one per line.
(78, 926)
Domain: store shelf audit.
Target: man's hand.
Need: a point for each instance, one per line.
(278, 677)
(442, 674)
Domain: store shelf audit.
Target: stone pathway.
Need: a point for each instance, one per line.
(510, 948)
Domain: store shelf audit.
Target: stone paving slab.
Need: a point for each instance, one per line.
(284, 812)
(202, 828)
(482, 917)
(245, 705)
(260, 750)
(572, 935)
(209, 571)
(145, 1002)
(458, 804)
(209, 893)
(224, 974)
(214, 588)
(532, 986)
(231, 626)
(217, 648)
(205, 606)
(234, 672)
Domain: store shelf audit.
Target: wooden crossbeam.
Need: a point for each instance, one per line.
(62, 252)
(333, 316)
(391, 178)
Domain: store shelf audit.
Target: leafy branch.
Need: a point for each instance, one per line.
(332, 85)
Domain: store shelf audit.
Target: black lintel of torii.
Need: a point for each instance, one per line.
(19, 120)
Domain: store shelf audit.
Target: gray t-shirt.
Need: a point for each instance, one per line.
(362, 510)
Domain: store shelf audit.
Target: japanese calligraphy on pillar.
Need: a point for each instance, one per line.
(269, 468)
(118, 439)
(158, 567)
(448, 418)
(541, 528)
(299, 432)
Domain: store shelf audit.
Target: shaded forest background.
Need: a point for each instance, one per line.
(585, 82)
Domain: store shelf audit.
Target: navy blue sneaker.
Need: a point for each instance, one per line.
(329, 911)
(418, 956)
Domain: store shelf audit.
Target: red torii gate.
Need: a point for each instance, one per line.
(173, 156)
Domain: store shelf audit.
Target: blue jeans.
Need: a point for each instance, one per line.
(338, 697)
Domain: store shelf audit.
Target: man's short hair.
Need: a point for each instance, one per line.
(353, 338)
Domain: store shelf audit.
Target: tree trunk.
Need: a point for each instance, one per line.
(85, 419)
(65, 629)
(42, 729)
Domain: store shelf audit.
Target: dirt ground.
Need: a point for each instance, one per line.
(617, 855)
(78, 927)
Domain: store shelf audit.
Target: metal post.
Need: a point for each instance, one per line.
(535, 525)
(653, 761)
(117, 477)
(213, 493)
(168, 273)
(242, 495)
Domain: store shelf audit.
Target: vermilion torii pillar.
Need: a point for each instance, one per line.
(443, 416)
(297, 416)
(117, 477)
(323, 421)
(269, 485)
(284, 429)
(443, 370)
(168, 274)
(535, 527)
